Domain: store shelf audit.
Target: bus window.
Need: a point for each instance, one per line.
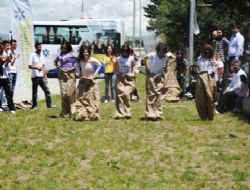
(41, 34)
(62, 34)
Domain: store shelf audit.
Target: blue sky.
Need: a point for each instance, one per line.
(71, 9)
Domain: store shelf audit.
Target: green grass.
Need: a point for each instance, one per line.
(39, 150)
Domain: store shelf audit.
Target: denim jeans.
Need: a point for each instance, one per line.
(110, 81)
(4, 84)
(12, 82)
(43, 83)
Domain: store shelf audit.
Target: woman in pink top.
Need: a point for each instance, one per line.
(88, 98)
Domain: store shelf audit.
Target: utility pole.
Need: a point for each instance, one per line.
(133, 44)
(82, 11)
(140, 29)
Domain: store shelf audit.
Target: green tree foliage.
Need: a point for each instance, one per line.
(171, 18)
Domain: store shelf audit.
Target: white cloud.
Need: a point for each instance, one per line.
(58, 9)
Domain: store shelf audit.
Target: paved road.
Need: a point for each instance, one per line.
(21, 95)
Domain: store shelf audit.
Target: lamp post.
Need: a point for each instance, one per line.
(140, 29)
(82, 8)
(133, 44)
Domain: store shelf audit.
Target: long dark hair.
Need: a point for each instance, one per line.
(81, 50)
(207, 51)
(112, 53)
(68, 45)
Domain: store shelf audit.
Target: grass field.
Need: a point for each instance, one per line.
(39, 150)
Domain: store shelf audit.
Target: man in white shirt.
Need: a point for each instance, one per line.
(4, 77)
(228, 97)
(12, 66)
(38, 76)
(236, 45)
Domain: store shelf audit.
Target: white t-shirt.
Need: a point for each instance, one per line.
(13, 68)
(6, 69)
(87, 68)
(36, 60)
(205, 64)
(125, 65)
(156, 63)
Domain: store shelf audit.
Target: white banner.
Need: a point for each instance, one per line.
(22, 29)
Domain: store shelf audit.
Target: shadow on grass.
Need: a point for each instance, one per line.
(242, 116)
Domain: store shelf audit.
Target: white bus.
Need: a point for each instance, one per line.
(95, 32)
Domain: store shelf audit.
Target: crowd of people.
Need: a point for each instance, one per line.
(226, 64)
(218, 83)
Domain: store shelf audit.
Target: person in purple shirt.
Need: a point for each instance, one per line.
(65, 62)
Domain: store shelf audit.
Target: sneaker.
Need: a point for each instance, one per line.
(35, 108)
(13, 111)
(112, 100)
(188, 95)
(52, 106)
(216, 111)
(1, 110)
(105, 101)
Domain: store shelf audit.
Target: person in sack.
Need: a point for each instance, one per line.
(124, 84)
(155, 73)
(205, 91)
(65, 61)
(87, 102)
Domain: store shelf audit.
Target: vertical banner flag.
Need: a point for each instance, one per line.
(22, 29)
(196, 26)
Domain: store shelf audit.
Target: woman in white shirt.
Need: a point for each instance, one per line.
(124, 85)
(205, 91)
(88, 98)
(154, 81)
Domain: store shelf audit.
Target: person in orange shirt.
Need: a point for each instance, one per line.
(109, 62)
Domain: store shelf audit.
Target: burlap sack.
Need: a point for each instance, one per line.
(87, 103)
(67, 82)
(171, 90)
(205, 95)
(154, 86)
(124, 86)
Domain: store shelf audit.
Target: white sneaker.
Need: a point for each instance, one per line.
(216, 111)
(52, 106)
(105, 101)
(13, 111)
(112, 100)
(35, 108)
(189, 95)
(1, 110)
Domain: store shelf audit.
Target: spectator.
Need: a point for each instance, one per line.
(5, 60)
(109, 63)
(241, 94)
(215, 41)
(13, 66)
(236, 45)
(227, 98)
(38, 76)
(222, 50)
(181, 68)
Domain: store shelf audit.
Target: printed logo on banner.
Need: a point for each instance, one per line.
(46, 53)
(19, 14)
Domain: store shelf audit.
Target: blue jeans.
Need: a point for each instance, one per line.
(110, 80)
(12, 82)
(43, 83)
